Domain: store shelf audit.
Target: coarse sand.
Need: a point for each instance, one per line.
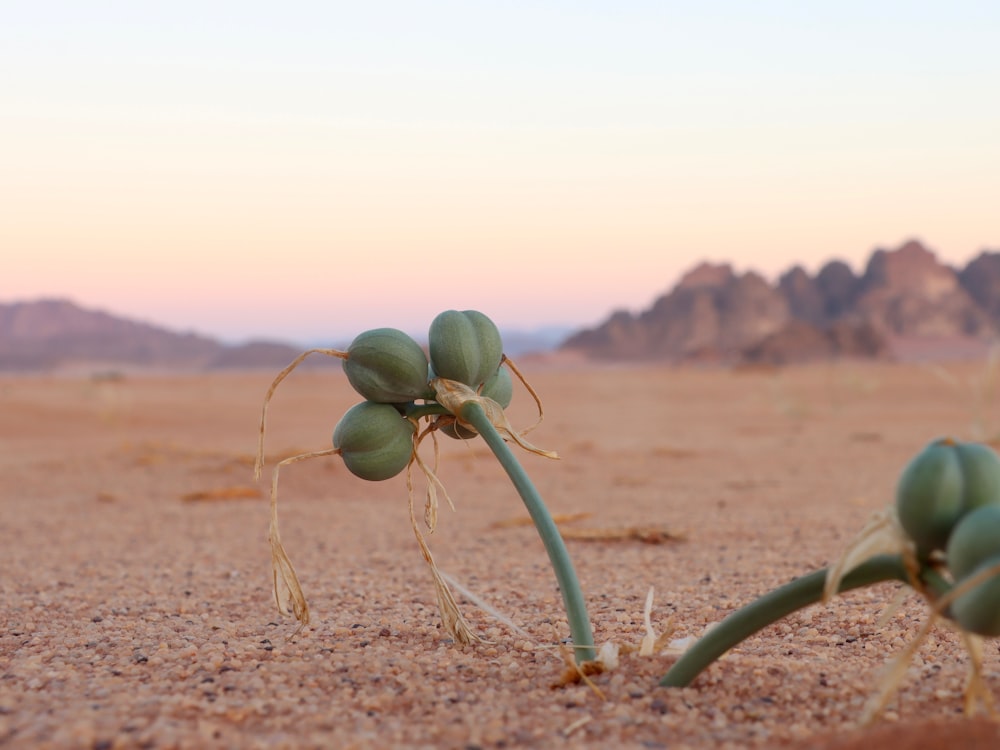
(136, 580)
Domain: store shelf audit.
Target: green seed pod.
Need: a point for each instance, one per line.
(940, 485)
(465, 346)
(387, 366)
(980, 473)
(500, 387)
(374, 440)
(975, 539)
(929, 495)
(973, 546)
(978, 611)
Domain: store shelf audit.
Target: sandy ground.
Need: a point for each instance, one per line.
(136, 579)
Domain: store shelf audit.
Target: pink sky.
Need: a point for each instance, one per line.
(308, 181)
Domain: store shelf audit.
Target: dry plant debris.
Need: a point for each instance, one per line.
(647, 534)
(236, 492)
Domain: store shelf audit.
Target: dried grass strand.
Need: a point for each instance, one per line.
(881, 534)
(976, 689)
(897, 601)
(451, 616)
(524, 381)
(488, 609)
(896, 669)
(288, 594)
(434, 483)
(259, 461)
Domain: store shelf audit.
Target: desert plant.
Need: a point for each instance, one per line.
(461, 391)
(941, 537)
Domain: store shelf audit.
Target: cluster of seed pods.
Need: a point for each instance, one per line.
(948, 503)
(462, 388)
(391, 371)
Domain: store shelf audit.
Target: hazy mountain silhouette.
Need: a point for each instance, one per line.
(905, 301)
(53, 334)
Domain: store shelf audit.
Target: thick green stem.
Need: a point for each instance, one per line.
(780, 602)
(430, 409)
(576, 609)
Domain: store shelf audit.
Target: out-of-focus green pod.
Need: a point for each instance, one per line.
(943, 483)
(974, 546)
(500, 387)
(374, 440)
(929, 495)
(978, 610)
(465, 346)
(387, 366)
(980, 475)
(975, 539)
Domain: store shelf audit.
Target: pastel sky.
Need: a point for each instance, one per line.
(307, 170)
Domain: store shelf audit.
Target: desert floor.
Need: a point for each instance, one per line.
(136, 581)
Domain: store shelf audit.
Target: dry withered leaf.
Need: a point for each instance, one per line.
(451, 616)
(644, 534)
(237, 492)
(647, 534)
(582, 672)
(508, 523)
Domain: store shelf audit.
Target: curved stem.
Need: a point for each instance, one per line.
(775, 605)
(576, 608)
(430, 409)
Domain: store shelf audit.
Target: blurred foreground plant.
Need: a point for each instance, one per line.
(941, 538)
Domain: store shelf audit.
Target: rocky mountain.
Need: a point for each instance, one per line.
(49, 334)
(904, 301)
(714, 314)
(56, 334)
(909, 293)
(711, 308)
(981, 279)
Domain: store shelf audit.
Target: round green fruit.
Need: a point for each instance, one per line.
(500, 387)
(387, 366)
(974, 540)
(465, 346)
(375, 440)
(929, 495)
(940, 485)
(978, 610)
(980, 474)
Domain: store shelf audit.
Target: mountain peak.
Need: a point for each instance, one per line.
(911, 265)
(707, 274)
(47, 334)
(712, 314)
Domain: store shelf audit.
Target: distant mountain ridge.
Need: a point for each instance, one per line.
(48, 334)
(905, 298)
(53, 334)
